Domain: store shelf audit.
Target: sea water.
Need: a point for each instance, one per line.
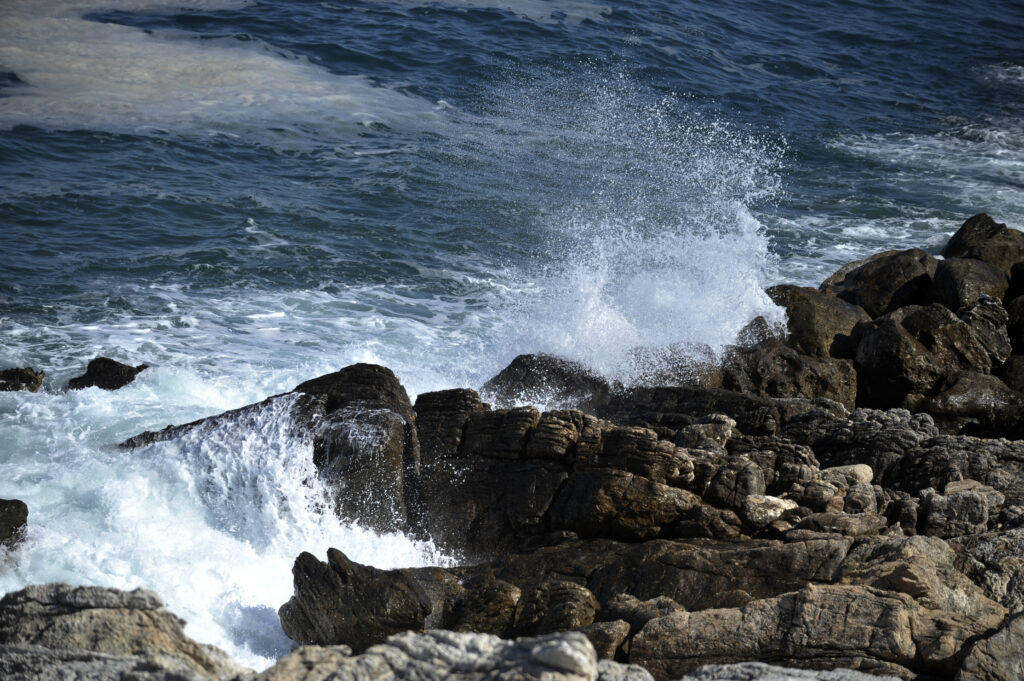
(245, 195)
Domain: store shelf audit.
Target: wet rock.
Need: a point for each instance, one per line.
(819, 324)
(773, 369)
(342, 602)
(107, 374)
(983, 238)
(27, 379)
(13, 520)
(885, 281)
(959, 282)
(47, 627)
(366, 447)
(545, 379)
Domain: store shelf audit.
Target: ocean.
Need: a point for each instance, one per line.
(245, 195)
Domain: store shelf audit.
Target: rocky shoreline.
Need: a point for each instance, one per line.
(843, 496)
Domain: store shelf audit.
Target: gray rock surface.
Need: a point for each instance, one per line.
(759, 671)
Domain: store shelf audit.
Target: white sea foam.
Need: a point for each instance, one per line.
(81, 74)
(212, 521)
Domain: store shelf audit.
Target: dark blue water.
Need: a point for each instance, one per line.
(247, 194)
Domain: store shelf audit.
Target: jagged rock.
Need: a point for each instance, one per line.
(983, 238)
(849, 525)
(438, 655)
(342, 602)
(999, 657)
(759, 511)
(13, 519)
(819, 324)
(365, 445)
(959, 282)
(107, 374)
(995, 560)
(131, 629)
(711, 432)
(988, 320)
(885, 281)
(36, 663)
(759, 671)
(636, 613)
(21, 379)
(773, 369)
(953, 515)
(487, 605)
(545, 379)
(852, 474)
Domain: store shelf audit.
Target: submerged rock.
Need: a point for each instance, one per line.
(107, 374)
(13, 519)
(545, 379)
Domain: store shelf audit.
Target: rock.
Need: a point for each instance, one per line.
(855, 525)
(759, 671)
(555, 605)
(366, 447)
(118, 629)
(548, 380)
(36, 663)
(818, 627)
(1015, 321)
(983, 238)
(988, 320)
(959, 282)
(996, 562)
(959, 513)
(773, 369)
(21, 379)
(607, 638)
(819, 324)
(852, 474)
(976, 404)
(13, 519)
(342, 602)
(1012, 373)
(636, 613)
(759, 511)
(438, 655)
(107, 374)
(999, 657)
(885, 281)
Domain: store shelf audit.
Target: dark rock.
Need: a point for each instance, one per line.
(995, 561)
(545, 379)
(487, 605)
(125, 630)
(885, 281)
(637, 613)
(1015, 323)
(956, 514)
(21, 379)
(988, 320)
(819, 324)
(773, 369)
(107, 374)
(759, 671)
(857, 525)
(13, 519)
(959, 282)
(365, 445)
(983, 238)
(975, 404)
(342, 602)
(555, 605)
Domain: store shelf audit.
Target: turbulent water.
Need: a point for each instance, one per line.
(245, 195)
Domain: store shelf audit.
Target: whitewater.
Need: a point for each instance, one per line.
(247, 195)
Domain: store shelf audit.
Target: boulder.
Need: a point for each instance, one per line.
(107, 374)
(819, 324)
(885, 281)
(983, 238)
(13, 519)
(133, 628)
(976, 404)
(773, 369)
(959, 282)
(342, 602)
(21, 379)
(988, 320)
(548, 380)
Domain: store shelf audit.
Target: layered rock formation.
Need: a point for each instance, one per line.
(836, 497)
